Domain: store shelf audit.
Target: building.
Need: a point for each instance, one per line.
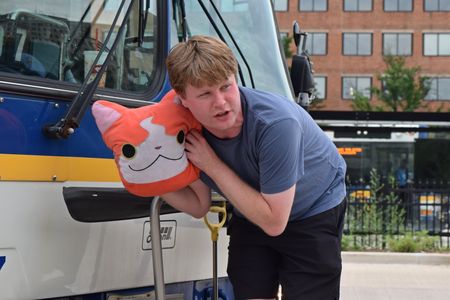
(348, 39)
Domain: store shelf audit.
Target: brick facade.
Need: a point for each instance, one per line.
(335, 21)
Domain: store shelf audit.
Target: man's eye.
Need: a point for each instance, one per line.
(129, 151)
(180, 137)
(226, 86)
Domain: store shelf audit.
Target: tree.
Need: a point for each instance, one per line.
(287, 41)
(403, 89)
(316, 103)
(362, 103)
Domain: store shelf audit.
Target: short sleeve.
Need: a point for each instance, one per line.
(280, 156)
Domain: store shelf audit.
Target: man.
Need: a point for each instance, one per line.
(268, 158)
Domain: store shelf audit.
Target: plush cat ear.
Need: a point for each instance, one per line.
(172, 97)
(106, 113)
(177, 100)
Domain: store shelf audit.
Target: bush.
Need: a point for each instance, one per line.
(345, 243)
(348, 243)
(404, 244)
(420, 242)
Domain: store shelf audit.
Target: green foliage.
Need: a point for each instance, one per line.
(394, 212)
(316, 103)
(345, 243)
(348, 243)
(403, 88)
(377, 221)
(419, 242)
(361, 102)
(287, 41)
(405, 244)
(375, 217)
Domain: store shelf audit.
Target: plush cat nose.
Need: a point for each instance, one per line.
(158, 147)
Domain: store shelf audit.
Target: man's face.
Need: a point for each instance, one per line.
(217, 107)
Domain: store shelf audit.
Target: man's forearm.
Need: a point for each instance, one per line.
(194, 199)
(250, 202)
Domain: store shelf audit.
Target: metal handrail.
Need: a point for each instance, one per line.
(155, 231)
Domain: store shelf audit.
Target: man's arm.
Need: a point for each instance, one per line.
(268, 211)
(194, 199)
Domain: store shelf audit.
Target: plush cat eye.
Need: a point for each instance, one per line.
(180, 137)
(129, 151)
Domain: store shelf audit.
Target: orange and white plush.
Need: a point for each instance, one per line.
(148, 144)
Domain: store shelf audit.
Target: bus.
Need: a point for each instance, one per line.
(68, 229)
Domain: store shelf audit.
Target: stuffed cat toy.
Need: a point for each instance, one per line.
(148, 144)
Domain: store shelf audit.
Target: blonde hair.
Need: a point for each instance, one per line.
(202, 60)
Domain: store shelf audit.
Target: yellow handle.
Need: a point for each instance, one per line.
(215, 227)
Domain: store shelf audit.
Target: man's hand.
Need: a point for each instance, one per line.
(200, 153)
(269, 211)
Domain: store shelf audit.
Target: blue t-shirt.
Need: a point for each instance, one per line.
(280, 145)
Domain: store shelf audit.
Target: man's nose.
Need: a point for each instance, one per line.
(219, 99)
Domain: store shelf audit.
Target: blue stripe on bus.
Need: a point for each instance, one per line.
(2, 261)
(22, 119)
(21, 123)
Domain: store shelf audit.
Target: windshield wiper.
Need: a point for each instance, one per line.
(67, 125)
(143, 13)
(178, 7)
(74, 49)
(86, 11)
(219, 33)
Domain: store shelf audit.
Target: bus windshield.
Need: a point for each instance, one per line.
(252, 25)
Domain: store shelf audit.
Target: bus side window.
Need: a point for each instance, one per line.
(49, 41)
(33, 44)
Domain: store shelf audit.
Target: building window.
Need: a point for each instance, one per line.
(280, 5)
(357, 44)
(357, 5)
(437, 5)
(436, 44)
(360, 84)
(284, 34)
(397, 44)
(439, 89)
(313, 5)
(398, 5)
(320, 85)
(316, 43)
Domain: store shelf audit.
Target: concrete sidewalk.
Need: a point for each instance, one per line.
(395, 276)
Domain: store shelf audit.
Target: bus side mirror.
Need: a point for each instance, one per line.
(302, 79)
(301, 70)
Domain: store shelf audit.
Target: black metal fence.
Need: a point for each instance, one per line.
(378, 216)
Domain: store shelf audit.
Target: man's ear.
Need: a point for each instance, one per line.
(182, 100)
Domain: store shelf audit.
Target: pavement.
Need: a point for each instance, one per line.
(395, 276)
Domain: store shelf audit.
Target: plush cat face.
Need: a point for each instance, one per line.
(148, 144)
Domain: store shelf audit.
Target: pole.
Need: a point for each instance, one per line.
(214, 228)
(155, 232)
